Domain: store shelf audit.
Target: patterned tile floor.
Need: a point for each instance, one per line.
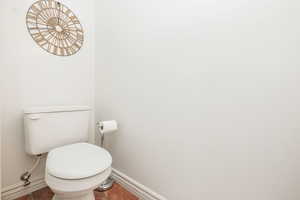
(116, 193)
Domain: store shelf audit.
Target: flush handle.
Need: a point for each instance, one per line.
(34, 117)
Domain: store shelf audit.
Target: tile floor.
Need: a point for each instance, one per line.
(116, 193)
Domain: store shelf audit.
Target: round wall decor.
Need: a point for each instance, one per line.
(54, 27)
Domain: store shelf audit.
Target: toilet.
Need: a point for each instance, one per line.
(74, 168)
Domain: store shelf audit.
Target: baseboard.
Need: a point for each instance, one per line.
(141, 191)
(134, 187)
(18, 190)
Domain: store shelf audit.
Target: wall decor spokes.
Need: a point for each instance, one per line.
(54, 27)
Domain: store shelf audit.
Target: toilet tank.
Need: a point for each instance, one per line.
(50, 127)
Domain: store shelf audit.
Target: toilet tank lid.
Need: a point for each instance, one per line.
(53, 109)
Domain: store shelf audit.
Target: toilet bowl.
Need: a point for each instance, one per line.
(74, 171)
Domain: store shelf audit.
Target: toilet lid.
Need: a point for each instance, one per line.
(77, 161)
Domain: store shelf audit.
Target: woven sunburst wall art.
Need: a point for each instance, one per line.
(54, 27)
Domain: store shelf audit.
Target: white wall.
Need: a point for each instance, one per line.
(1, 103)
(34, 77)
(1, 117)
(206, 94)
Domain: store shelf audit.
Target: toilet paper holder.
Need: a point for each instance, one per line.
(100, 129)
(106, 127)
(108, 183)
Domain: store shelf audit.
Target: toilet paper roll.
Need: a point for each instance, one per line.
(109, 126)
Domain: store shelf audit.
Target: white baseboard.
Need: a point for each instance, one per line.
(134, 187)
(18, 190)
(141, 191)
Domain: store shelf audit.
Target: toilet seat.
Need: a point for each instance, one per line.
(77, 161)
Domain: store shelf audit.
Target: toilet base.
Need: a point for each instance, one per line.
(106, 185)
(79, 189)
(86, 196)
